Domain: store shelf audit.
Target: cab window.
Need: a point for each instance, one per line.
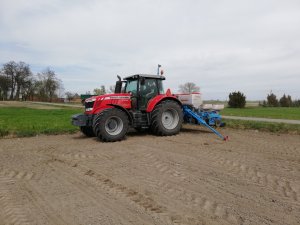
(131, 86)
(149, 88)
(160, 87)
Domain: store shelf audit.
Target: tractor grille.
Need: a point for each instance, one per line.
(89, 105)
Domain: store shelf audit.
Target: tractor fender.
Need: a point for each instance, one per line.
(158, 99)
(98, 110)
(124, 110)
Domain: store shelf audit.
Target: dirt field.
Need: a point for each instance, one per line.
(191, 178)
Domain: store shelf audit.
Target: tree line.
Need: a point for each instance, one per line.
(70, 96)
(238, 100)
(17, 82)
(284, 101)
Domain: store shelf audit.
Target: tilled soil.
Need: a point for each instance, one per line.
(191, 178)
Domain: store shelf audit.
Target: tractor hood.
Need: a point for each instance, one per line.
(108, 96)
(96, 103)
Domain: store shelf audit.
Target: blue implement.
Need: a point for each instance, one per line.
(189, 113)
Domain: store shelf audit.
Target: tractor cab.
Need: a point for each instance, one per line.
(142, 88)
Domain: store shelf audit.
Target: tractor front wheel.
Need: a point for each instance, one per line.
(166, 118)
(87, 131)
(111, 125)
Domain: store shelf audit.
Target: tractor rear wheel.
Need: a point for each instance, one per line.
(87, 131)
(166, 118)
(111, 125)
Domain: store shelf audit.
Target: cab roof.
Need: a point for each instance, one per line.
(136, 76)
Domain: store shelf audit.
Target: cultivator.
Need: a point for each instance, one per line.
(205, 118)
(195, 112)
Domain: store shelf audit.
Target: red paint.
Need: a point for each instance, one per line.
(168, 93)
(103, 102)
(154, 101)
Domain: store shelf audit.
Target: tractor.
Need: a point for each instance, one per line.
(139, 102)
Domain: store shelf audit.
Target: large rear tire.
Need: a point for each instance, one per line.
(166, 118)
(87, 131)
(111, 125)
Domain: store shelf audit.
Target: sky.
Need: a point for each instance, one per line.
(252, 46)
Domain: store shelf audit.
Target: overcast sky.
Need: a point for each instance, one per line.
(223, 46)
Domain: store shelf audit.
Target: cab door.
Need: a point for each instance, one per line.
(132, 88)
(147, 90)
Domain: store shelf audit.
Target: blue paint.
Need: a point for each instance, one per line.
(203, 117)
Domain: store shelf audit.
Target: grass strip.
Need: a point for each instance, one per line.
(263, 126)
(26, 122)
(265, 112)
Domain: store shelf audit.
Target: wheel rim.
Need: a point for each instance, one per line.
(114, 125)
(170, 119)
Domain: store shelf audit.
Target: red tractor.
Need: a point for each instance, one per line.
(139, 101)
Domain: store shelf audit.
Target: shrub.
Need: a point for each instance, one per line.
(296, 103)
(285, 101)
(237, 100)
(272, 100)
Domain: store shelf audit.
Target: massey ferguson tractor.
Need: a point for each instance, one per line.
(140, 102)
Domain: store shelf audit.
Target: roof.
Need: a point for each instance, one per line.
(135, 76)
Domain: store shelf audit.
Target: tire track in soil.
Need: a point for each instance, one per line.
(82, 156)
(137, 200)
(13, 211)
(281, 186)
(120, 190)
(162, 167)
(42, 206)
(196, 202)
(88, 193)
(36, 198)
(190, 199)
(268, 150)
(52, 152)
(207, 206)
(261, 148)
(20, 175)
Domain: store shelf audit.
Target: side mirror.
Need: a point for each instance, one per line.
(143, 80)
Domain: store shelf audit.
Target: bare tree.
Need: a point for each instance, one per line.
(4, 87)
(188, 88)
(48, 85)
(18, 74)
(22, 77)
(10, 70)
(17, 81)
(28, 89)
(100, 91)
(70, 96)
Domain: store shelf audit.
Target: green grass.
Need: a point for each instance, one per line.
(23, 122)
(263, 126)
(265, 112)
